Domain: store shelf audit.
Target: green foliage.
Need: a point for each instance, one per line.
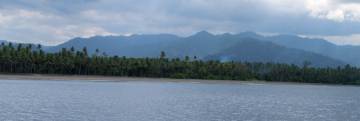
(26, 59)
(179, 76)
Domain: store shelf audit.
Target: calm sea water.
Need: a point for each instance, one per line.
(165, 101)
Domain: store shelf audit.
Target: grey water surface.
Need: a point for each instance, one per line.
(175, 101)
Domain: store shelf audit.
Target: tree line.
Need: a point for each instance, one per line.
(28, 58)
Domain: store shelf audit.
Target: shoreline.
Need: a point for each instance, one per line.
(99, 78)
(92, 78)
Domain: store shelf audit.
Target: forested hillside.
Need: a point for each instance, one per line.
(252, 50)
(32, 59)
(346, 53)
(205, 45)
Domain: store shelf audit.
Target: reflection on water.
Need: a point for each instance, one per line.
(160, 101)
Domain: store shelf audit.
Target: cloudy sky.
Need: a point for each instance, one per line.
(55, 21)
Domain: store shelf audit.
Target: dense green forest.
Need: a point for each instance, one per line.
(21, 59)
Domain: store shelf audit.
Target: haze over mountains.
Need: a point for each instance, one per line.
(247, 46)
(256, 51)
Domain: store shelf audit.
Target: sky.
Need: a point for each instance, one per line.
(52, 22)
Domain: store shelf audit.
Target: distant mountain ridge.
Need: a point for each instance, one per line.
(246, 46)
(205, 45)
(251, 50)
(345, 53)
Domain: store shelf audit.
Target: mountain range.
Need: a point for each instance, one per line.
(252, 50)
(246, 46)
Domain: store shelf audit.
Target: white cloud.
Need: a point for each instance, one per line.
(53, 22)
(144, 23)
(344, 40)
(32, 26)
(286, 6)
(4, 19)
(71, 31)
(335, 10)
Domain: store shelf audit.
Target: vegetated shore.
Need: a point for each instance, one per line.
(92, 78)
(56, 77)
